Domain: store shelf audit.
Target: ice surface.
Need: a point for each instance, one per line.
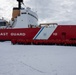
(37, 60)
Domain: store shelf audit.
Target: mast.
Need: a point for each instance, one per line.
(19, 3)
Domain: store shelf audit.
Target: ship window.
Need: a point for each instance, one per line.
(2, 23)
(23, 13)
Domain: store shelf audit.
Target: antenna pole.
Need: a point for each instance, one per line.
(19, 3)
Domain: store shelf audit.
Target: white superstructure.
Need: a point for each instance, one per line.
(24, 18)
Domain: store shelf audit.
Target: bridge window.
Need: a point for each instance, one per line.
(2, 23)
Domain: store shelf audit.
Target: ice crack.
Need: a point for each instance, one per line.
(32, 67)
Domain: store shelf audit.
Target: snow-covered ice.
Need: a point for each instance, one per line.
(37, 60)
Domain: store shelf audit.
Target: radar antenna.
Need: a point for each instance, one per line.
(19, 3)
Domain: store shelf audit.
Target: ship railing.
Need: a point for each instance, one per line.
(48, 24)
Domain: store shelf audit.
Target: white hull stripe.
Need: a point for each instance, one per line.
(45, 33)
(38, 33)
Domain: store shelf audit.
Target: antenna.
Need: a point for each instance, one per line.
(19, 3)
(24, 4)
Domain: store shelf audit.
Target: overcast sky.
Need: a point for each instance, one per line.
(60, 11)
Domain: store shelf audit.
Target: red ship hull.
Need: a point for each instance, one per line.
(62, 34)
(22, 33)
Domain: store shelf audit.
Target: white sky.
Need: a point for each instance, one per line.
(60, 11)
